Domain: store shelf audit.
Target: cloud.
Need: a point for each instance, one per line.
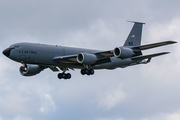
(165, 116)
(4, 67)
(111, 97)
(1, 118)
(164, 31)
(138, 92)
(110, 119)
(18, 117)
(174, 116)
(99, 32)
(47, 104)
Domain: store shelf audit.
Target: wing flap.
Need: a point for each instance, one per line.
(148, 56)
(149, 46)
(53, 68)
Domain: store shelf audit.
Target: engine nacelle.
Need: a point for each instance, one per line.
(86, 58)
(123, 52)
(30, 70)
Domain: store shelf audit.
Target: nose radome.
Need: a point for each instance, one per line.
(7, 51)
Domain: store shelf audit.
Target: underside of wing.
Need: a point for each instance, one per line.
(149, 46)
(53, 68)
(148, 56)
(105, 53)
(102, 57)
(66, 59)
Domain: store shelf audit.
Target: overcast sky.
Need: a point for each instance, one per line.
(143, 92)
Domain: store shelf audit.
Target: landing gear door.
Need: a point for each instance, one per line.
(22, 57)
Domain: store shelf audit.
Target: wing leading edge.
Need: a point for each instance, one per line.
(149, 46)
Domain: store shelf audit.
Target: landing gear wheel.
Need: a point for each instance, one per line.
(91, 71)
(64, 75)
(83, 72)
(23, 69)
(68, 75)
(60, 75)
(87, 71)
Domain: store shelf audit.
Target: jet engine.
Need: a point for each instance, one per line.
(86, 58)
(30, 70)
(123, 52)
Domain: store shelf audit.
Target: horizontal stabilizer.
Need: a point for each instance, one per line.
(148, 56)
(136, 22)
(149, 46)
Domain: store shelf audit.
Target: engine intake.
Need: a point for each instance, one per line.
(86, 58)
(30, 70)
(123, 52)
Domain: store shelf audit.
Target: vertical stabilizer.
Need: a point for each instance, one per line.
(134, 38)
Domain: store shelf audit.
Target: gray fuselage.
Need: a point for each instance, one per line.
(42, 54)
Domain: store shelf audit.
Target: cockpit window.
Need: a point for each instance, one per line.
(16, 46)
(12, 46)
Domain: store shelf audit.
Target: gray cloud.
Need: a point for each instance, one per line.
(136, 93)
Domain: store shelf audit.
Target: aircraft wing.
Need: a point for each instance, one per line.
(102, 56)
(149, 46)
(148, 56)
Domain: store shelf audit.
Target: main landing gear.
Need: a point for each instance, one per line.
(64, 75)
(87, 71)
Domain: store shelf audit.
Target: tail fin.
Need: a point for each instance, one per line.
(134, 38)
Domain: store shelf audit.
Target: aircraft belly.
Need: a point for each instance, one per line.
(76, 66)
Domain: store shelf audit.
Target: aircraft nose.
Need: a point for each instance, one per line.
(7, 51)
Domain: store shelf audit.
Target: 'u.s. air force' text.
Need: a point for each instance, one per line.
(28, 52)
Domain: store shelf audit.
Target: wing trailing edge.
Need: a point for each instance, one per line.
(149, 56)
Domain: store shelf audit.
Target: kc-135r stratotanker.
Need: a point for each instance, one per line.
(36, 57)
